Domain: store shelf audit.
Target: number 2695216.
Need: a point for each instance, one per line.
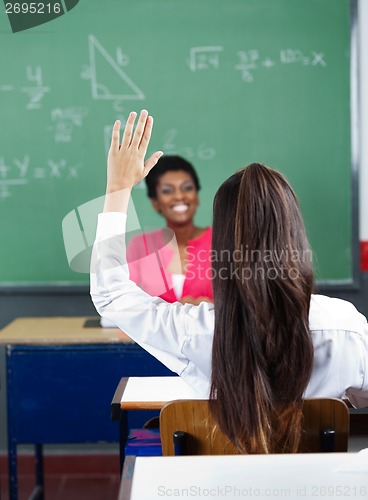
(33, 8)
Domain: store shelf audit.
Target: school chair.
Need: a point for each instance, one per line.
(187, 428)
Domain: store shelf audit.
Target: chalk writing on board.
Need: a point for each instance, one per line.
(121, 58)
(199, 152)
(12, 175)
(34, 90)
(20, 172)
(292, 56)
(268, 63)
(318, 59)
(37, 90)
(4, 168)
(247, 62)
(22, 165)
(203, 58)
(250, 60)
(65, 120)
(108, 80)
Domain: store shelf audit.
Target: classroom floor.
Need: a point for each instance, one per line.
(67, 477)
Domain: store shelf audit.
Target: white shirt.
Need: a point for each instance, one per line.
(180, 336)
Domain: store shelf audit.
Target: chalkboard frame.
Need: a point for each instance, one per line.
(352, 284)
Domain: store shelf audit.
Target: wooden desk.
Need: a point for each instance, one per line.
(145, 393)
(60, 377)
(60, 331)
(149, 393)
(322, 475)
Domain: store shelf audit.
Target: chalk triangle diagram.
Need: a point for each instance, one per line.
(102, 63)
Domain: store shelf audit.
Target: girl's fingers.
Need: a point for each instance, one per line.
(141, 124)
(146, 136)
(115, 136)
(139, 138)
(128, 132)
(152, 160)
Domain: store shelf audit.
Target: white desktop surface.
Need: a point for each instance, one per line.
(298, 476)
(151, 389)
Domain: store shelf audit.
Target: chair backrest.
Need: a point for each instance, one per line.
(325, 421)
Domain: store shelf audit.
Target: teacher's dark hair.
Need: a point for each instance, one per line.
(169, 163)
(263, 280)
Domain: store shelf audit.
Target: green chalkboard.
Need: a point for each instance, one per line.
(228, 82)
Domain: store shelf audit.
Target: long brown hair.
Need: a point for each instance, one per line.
(263, 279)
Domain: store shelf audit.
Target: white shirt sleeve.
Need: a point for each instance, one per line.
(340, 339)
(153, 323)
(357, 393)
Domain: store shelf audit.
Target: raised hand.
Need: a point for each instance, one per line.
(126, 164)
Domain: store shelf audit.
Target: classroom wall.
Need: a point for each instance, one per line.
(17, 304)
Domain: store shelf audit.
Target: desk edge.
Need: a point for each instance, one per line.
(127, 478)
(115, 407)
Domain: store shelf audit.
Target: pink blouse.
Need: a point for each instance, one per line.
(149, 257)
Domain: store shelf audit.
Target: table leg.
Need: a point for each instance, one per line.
(39, 470)
(123, 437)
(12, 465)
